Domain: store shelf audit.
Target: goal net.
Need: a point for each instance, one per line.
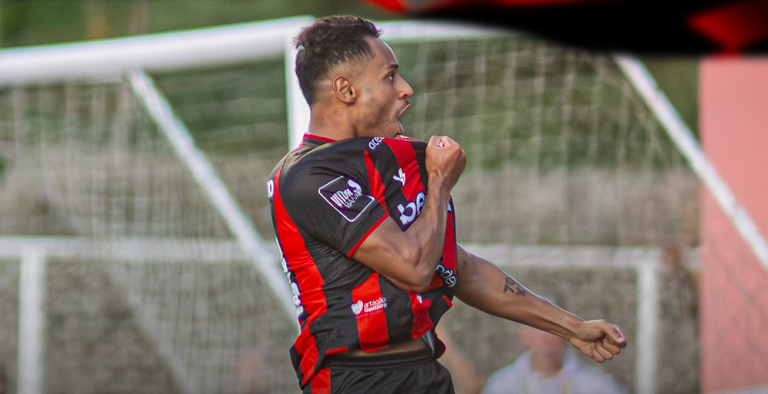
(136, 250)
(121, 258)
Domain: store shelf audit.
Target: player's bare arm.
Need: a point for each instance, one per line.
(486, 287)
(409, 258)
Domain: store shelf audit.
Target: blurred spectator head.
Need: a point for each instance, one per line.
(547, 350)
(252, 373)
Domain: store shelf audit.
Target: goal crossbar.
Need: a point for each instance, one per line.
(113, 58)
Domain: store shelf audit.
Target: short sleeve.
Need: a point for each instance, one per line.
(335, 209)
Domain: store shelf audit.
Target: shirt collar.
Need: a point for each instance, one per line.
(315, 139)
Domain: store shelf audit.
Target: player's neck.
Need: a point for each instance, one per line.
(330, 124)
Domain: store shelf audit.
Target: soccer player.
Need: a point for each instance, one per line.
(364, 220)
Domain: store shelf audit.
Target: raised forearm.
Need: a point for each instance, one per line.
(486, 287)
(409, 258)
(424, 239)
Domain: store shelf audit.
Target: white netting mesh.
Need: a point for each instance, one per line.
(180, 311)
(560, 147)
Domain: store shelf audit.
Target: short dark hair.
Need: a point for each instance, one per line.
(328, 42)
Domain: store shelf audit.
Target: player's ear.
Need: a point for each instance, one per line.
(343, 89)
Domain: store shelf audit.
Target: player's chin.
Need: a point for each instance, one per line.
(400, 133)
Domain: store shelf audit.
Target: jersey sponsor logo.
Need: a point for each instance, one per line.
(374, 143)
(346, 196)
(294, 287)
(369, 306)
(270, 188)
(447, 275)
(409, 212)
(400, 177)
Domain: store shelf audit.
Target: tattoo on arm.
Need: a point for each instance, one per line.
(513, 287)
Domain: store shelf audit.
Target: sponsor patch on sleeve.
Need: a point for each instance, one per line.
(346, 196)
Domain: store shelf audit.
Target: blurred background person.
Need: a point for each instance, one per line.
(466, 378)
(548, 367)
(252, 373)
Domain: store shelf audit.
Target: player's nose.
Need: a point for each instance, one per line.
(404, 89)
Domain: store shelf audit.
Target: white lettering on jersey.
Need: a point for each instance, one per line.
(400, 177)
(369, 306)
(374, 143)
(410, 211)
(447, 274)
(294, 287)
(346, 196)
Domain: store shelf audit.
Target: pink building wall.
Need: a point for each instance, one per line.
(734, 287)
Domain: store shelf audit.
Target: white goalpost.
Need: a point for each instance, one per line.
(684, 140)
(238, 223)
(133, 170)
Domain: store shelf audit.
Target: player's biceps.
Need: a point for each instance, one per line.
(471, 285)
(386, 261)
(463, 260)
(396, 255)
(465, 275)
(470, 269)
(380, 250)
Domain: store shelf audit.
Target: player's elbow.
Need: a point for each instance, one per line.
(421, 270)
(413, 285)
(417, 286)
(421, 287)
(424, 278)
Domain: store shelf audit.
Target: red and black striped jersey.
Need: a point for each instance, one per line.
(326, 198)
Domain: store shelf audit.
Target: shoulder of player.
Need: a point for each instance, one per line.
(386, 151)
(307, 170)
(355, 151)
(346, 158)
(372, 145)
